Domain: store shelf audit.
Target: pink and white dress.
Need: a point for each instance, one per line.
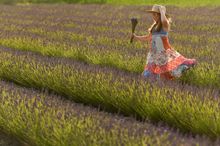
(163, 60)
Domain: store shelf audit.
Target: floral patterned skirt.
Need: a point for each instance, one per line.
(167, 64)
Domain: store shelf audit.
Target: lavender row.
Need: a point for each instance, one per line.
(187, 108)
(40, 118)
(56, 18)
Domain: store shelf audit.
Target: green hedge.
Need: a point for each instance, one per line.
(184, 3)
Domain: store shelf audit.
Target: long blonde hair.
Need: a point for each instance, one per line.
(158, 26)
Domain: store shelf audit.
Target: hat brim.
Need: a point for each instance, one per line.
(150, 11)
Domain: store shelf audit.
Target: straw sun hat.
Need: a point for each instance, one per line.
(156, 9)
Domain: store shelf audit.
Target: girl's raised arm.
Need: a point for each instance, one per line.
(164, 20)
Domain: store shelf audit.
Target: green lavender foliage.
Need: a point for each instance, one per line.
(190, 111)
(41, 119)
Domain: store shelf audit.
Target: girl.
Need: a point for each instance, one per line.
(162, 60)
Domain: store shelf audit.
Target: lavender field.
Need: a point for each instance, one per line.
(71, 77)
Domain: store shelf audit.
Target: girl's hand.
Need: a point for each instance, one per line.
(133, 35)
(162, 9)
